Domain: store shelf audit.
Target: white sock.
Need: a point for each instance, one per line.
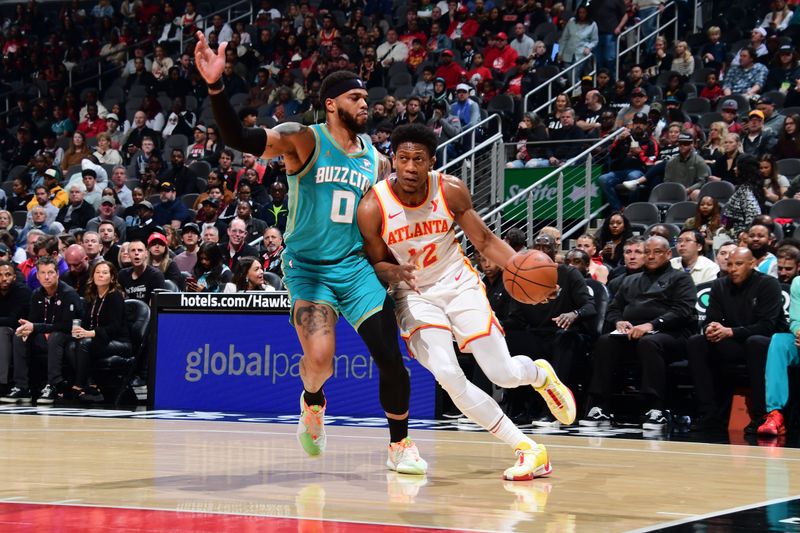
(506, 431)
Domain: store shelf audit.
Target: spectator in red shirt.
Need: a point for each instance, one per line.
(449, 70)
(729, 110)
(416, 55)
(93, 124)
(499, 56)
(478, 69)
(462, 27)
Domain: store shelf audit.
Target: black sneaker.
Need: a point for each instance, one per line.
(655, 420)
(752, 427)
(17, 395)
(48, 395)
(595, 418)
(91, 395)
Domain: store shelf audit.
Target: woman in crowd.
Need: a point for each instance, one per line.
(616, 229)
(775, 185)
(7, 223)
(788, 145)
(530, 131)
(747, 201)
(707, 219)
(660, 60)
(210, 274)
(588, 243)
(683, 63)
(159, 258)
(77, 151)
(713, 146)
(104, 153)
(783, 70)
(102, 329)
(578, 39)
(554, 118)
(248, 275)
(724, 167)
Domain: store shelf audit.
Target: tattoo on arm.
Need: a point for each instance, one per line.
(384, 167)
(313, 319)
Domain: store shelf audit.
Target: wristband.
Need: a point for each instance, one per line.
(217, 85)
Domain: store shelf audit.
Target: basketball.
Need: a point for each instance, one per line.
(530, 276)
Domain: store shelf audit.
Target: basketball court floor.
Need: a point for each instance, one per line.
(66, 469)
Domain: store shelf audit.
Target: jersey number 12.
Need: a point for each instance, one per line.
(343, 205)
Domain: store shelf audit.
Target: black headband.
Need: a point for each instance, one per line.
(344, 86)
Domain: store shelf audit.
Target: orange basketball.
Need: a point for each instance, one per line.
(530, 277)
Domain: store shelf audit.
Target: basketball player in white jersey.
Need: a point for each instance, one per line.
(408, 226)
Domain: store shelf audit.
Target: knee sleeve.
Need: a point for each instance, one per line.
(379, 333)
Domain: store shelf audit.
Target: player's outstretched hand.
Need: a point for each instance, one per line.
(407, 272)
(209, 64)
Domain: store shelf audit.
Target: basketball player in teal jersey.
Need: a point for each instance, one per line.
(329, 169)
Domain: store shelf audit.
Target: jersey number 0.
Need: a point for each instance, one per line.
(343, 206)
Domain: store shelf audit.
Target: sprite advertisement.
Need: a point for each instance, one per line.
(545, 194)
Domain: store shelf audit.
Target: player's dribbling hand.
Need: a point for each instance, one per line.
(209, 64)
(407, 273)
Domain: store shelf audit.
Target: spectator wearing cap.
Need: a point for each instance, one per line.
(757, 141)
(757, 44)
(107, 212)
(198, 150)
(392, 50)
(579, 38)
(158, 258)
(500, 57)
(465, 108)
(15, 301)
(746, 78)
(783, 70)
(209, 214)
(522, 43)
(631, 153)
(115, 133)
(729, 112)
(448, 70)
(58, 196)
(638, 105)
(79, 212)
(183, 177)
(462, 26)
(687, 168)
(170, 210)
(773, 120)
(145, 224)
(190, 236)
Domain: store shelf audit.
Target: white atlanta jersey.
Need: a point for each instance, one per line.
(451, 295)
(422, 235)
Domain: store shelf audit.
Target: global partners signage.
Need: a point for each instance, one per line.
(229, 359)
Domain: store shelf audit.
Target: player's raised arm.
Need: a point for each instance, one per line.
(292, 140)
(485, 241)
(370, 223)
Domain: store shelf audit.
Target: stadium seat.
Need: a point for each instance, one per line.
(176, 140)
(789, 167)
(376, 94)
(398, 79)
(706, 119)
(171, 286)
(403, 91)
(719, 190)
(786, 208)
(274, 280)
(679, 212)
(674, 230)
(777, 97)
(200, 168)
(189, 199)
(642, 213)
(118, 368)
(19, 218)
(696, 106)
(667, 193)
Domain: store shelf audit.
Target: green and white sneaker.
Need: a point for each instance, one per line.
(404, 458)
(311, 428)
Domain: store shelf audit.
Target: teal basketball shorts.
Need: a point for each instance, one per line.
(349, 286)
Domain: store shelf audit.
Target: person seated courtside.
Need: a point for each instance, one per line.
(103, 328)
(46, 331)
(652, 313)
(692, 261)
(248, 276)
(558, 329)
(15, 301)
(745, 308)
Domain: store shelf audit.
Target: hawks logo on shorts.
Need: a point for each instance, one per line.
(423, 234)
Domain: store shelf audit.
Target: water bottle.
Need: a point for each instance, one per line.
(76, 323)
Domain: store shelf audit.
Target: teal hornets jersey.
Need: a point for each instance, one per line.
(323, 198)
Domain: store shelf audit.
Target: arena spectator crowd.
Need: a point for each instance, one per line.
(116, 183)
